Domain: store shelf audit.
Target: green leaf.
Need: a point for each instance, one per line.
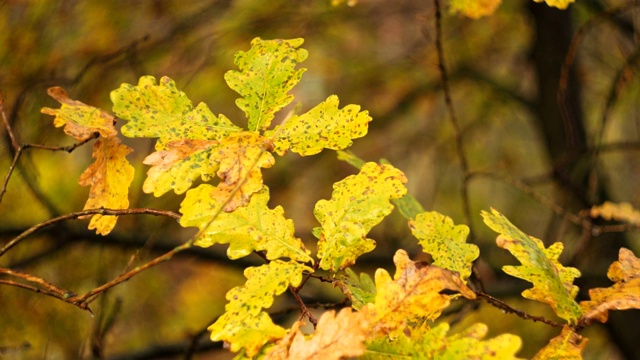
(358, 203)
(244, 324)
(254, 227)
(425, 343)
(162, 111)
(267, 73)
(351, 158)
(445, 242)
(361, 290)
(324, 126)
(552, 282)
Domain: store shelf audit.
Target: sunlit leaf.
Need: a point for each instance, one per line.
(445, 242)
(357, 204)
(474, 8)
(80, 121)
(244, 324)
(623, 295)
(240, 157)
(336, 337)
(413, 295)
(425, 343)
(552, 282)
(254, 227)
(109, 177)
(267, 73)
(566, 346)
(361, 290)
(323, 127)
(162, 111)
(560, 4)
(620, 212)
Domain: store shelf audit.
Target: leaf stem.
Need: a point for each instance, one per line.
(508, 309)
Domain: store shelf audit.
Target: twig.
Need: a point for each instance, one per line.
(452, 116)
(508, 309)
(47, 288)
(7, 125)
(21, 148)
(303, 308)
(78, 214)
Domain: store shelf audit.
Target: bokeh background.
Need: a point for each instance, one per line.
(538, 160)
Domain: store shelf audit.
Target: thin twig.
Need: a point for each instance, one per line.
(7, 125)
(47, 288)
(508, 309)
(303, 308)
(78, 214)
(444, 78)
(21, 148)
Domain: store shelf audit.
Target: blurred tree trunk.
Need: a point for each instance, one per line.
(566, 141)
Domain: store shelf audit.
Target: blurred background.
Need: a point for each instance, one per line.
(539, 158)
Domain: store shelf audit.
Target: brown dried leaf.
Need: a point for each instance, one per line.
(336, 337)
(623, 295)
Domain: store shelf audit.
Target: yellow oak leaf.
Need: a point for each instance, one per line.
(560, 4)
(244, 325)
(474, 8)
(358, 203)
(323, 127)
(253, 227)
(267, 73)
(623, 295)
(109, 177)
(413, 295)
(445, 242)
(552, 282)
(162, 111)
(80, 121)
(179, 166)
(566, 346)
(240, 157)
(336, 337)
(433, 343)
(621, 212)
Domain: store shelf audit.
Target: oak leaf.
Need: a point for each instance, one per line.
(162, 111)
(566, 346)
(80, 121)
(560, 4)
(179, 165)
(109, 177)
(336, 337)
(254, 227)
(552, 282)
(413, 295)
(358, 203)
(445, 242)
(360, 290)
(623, 295)
(323, 127)
(240, 157)
(267, 73)
(621, 212)
(433, 343)
(244, 325)
(474, 8)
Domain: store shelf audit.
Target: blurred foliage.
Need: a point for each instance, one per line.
(377, 54)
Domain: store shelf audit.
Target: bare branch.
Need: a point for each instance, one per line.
(78, 214)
